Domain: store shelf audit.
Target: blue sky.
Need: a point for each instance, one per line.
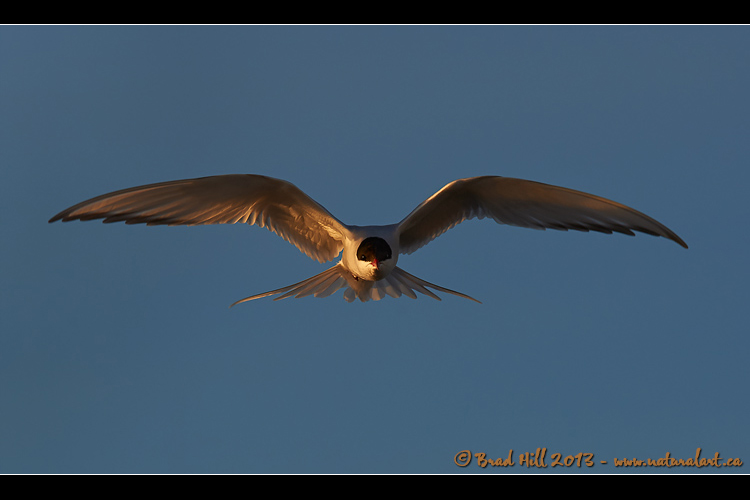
(118, 352)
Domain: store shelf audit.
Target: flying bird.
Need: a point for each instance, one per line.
(367, 269)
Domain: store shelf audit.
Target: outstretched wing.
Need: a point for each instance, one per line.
(274, 204)
(517, 202)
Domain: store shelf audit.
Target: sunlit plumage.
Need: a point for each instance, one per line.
(367, 269)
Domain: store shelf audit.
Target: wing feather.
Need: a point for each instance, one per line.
(274, 204)
(522, 203)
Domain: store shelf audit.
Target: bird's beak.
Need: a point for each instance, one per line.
(376, 263)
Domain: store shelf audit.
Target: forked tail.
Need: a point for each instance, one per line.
(398, 283)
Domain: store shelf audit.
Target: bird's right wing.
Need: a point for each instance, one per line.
(274, 204)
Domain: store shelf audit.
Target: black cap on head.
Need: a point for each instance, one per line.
(374, 248)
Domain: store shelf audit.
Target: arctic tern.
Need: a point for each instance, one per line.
(367, 269)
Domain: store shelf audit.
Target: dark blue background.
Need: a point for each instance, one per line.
(118, 352)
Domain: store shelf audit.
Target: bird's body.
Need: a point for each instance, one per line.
(369, 254)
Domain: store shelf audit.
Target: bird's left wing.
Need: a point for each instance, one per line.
(274, 204)
(517, 202)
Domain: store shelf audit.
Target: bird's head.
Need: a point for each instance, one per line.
(374, 259)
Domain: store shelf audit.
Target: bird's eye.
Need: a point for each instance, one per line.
(362, 257)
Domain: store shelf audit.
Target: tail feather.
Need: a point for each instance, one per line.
(317, 283)
(298, 288)
(319, 287)
(333, 287)
(415, 283)
(396, 284)
(401, 286)
(420, 284)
